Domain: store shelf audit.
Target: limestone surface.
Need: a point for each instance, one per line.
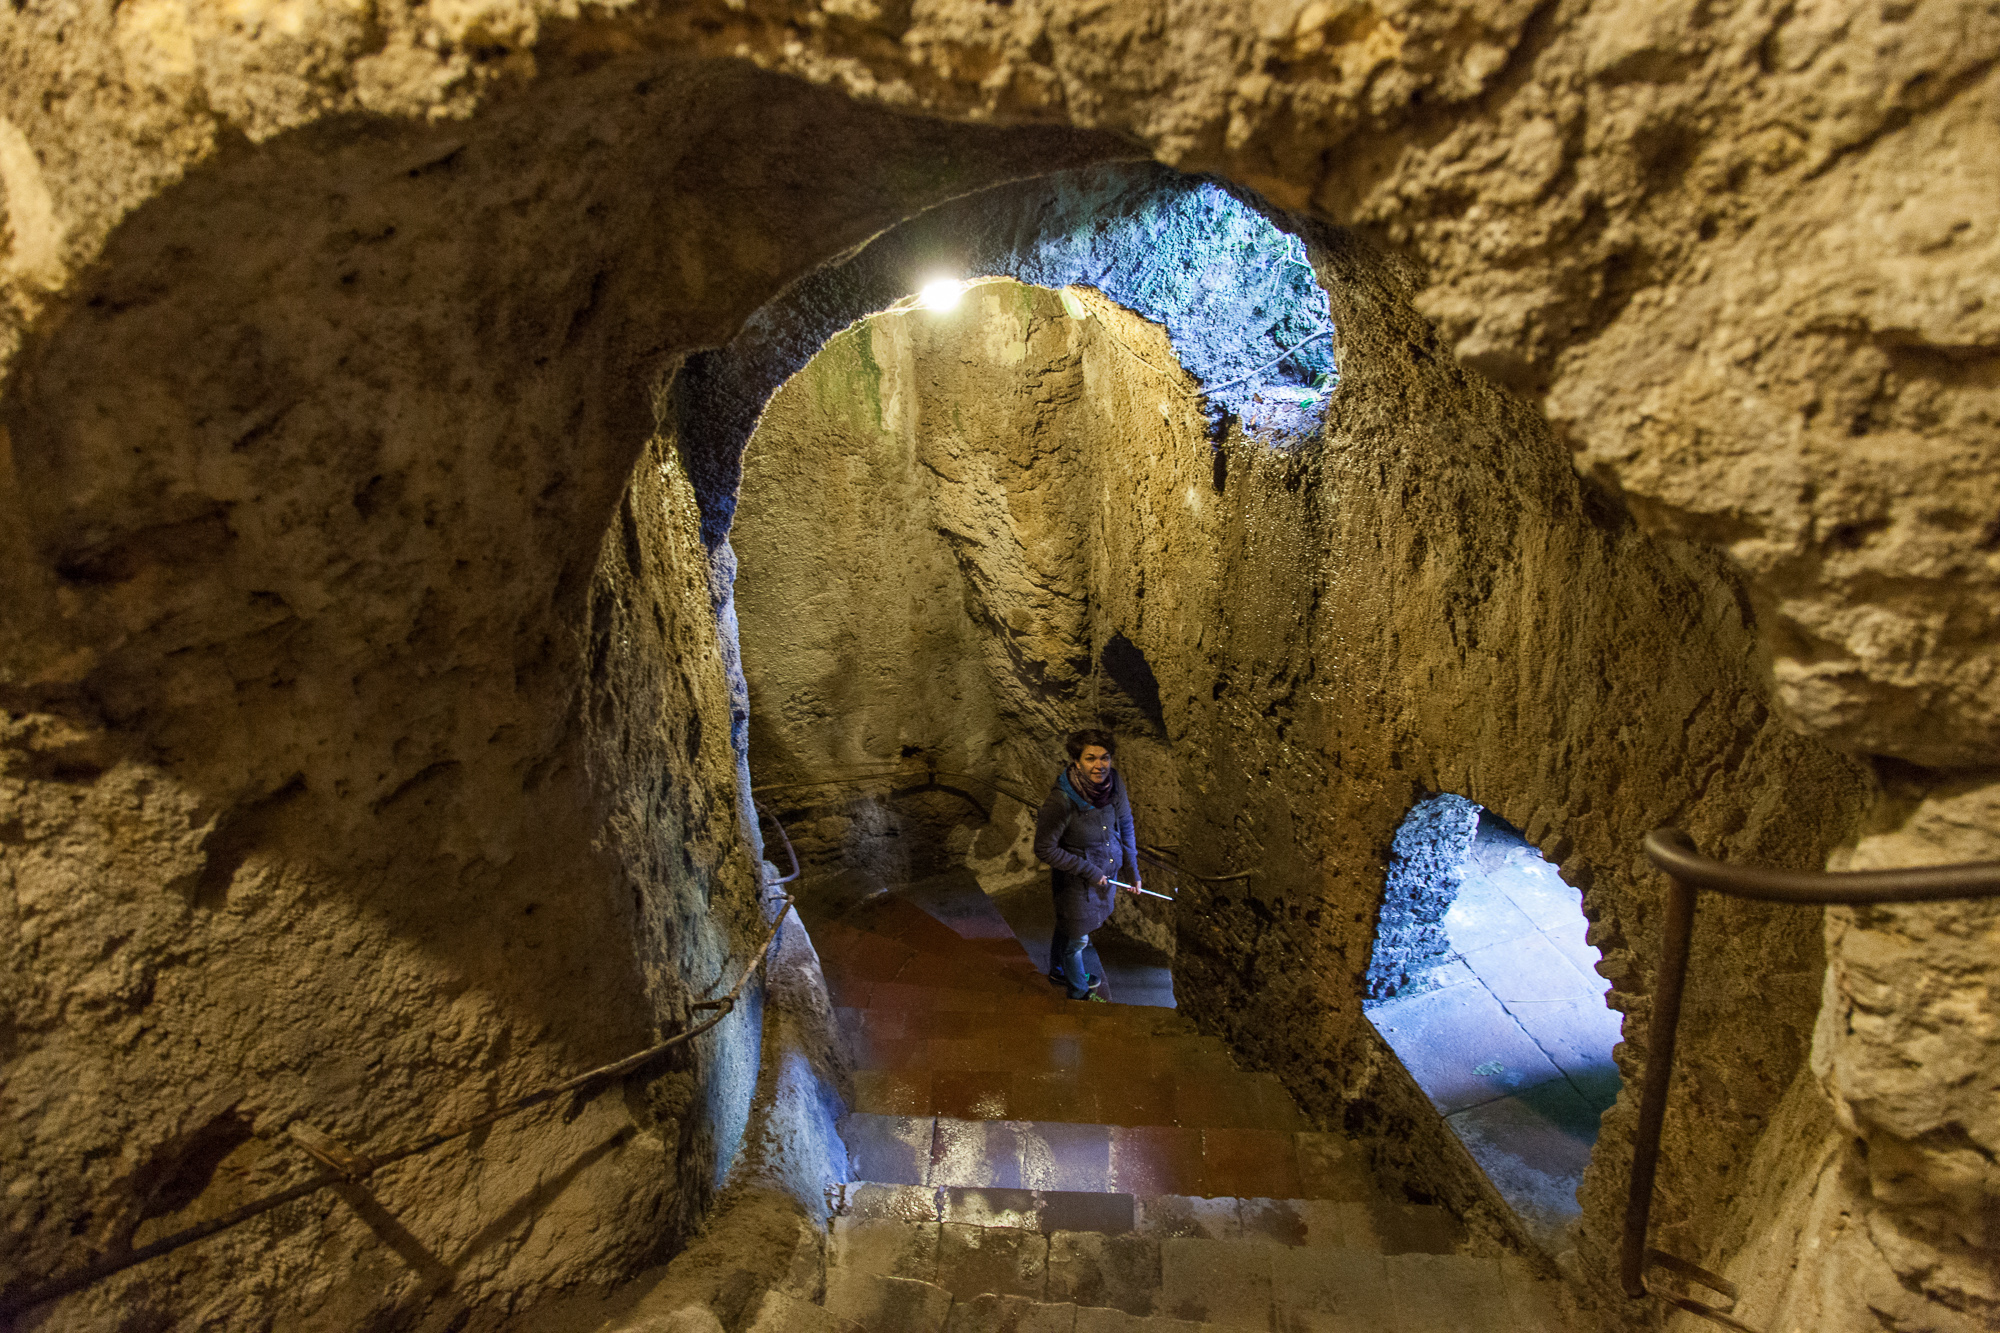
(369, 727)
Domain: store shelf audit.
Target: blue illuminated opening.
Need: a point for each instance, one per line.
(1235, 291)
(1484, 985)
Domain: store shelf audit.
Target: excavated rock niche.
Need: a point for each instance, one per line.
(1234, 291)
(990, 650)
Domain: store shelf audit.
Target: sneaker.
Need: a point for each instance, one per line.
(1094, 981)
(1096, 998)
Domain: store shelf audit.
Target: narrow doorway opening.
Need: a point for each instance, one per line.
(1484, 985)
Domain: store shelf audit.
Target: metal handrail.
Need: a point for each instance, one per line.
(1687, 871)
(1148, 853)
(784, 838)
(345, 1166)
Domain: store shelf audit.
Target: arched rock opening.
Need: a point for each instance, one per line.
(1425, 597)
(368, 736)
(1483, 982)
(938, 516)
(335, 672)
(1240, 303)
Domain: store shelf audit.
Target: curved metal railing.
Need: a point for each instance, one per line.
(930, 774)
(1687, 872)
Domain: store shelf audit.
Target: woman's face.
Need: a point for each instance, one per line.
(1095, 762)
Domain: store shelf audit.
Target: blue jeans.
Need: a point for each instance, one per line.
(1066, 957)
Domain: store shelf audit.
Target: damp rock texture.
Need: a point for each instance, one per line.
(329, 335)
(1736, 250)
(953, 465)
(1234, 292)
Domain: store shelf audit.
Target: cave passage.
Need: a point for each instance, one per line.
(387, 411)
(1483, 984)
(916, 609)
(989, 508)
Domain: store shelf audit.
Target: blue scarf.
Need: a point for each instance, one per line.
(1087, 795)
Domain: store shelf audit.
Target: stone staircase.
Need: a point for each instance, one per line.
(1025, 1163)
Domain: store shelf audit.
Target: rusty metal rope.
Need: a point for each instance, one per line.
(1153, 854)
(1688, 871)
(345, 1166)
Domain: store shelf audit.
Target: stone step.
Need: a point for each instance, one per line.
(1035, 1038)
(896, 1273)
(851, 967)
(882, 1303)
(1130, 1022)
(1191, 1100)
(945, 1151)
(917, 949)
(1129, 1070)
(1029, 1164)
(852, 992)
(1012, 1314)
(779, 1312)
(893, 917)
(1373, 1223)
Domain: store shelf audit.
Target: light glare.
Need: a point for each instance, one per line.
(940, 293)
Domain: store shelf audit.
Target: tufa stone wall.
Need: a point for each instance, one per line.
(1738, 254)
(917, 533)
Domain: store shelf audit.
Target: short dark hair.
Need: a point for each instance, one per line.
(1079, 741)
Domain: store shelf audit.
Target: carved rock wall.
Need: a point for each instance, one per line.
(1738, 252)
(368, 740)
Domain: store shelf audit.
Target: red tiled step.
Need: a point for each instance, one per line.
(862, 993)
(851, 957)
(1108, 1064)
(887, 917)
(903, 1084)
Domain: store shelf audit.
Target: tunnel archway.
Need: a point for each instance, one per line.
(1235, 291)
(929, 535)
(1220, 289)
(1482, 981)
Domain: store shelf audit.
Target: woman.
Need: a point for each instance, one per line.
(1084, 834)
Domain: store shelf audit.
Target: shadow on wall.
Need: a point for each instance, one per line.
(364, 762)
(1483, 984)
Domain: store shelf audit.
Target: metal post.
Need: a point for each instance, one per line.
(1676, 931)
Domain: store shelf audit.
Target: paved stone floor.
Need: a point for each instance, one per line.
(1019, 1162)
(1513, 1040)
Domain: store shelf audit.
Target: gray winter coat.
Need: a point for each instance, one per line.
(1079, 842)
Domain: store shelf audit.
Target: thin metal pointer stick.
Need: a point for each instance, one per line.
(1121, 884)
